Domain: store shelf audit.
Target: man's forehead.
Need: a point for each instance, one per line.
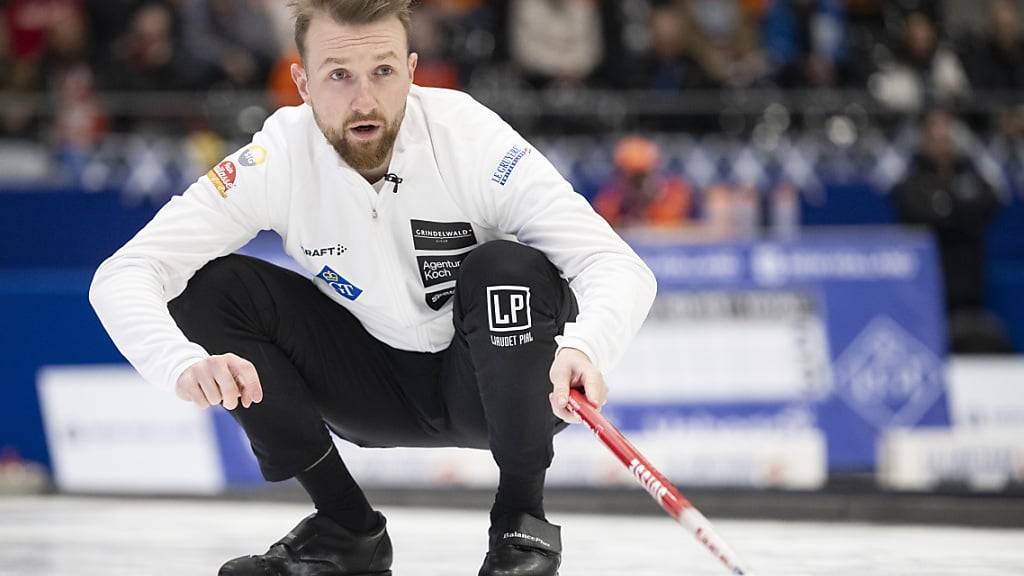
(328, 39)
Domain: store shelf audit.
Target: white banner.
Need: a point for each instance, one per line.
(109, 431)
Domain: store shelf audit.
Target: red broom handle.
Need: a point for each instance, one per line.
(656, 485)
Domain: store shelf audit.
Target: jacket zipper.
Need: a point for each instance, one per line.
(384, 240)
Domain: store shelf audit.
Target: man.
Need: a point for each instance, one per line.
(435, 314)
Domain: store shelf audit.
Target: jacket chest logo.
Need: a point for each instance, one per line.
(435, 269)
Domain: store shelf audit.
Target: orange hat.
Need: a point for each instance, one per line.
(636, 154)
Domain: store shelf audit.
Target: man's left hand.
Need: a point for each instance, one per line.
(573, 369)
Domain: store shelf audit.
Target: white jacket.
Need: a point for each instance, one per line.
(388, 257)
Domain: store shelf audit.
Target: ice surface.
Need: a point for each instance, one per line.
(63, 536)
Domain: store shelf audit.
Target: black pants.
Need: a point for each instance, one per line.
(318, 365)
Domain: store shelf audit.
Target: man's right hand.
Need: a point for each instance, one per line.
(220, 379)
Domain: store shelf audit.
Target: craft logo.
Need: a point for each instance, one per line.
(441, 235)
(508, 308)
(887, 376)
(253, 155)
(336, 250)
(342, 286)
(223, 177)
(436, 300)
(504, 170)
(439, 269)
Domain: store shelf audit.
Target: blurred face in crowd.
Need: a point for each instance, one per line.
(920, 36)
(1005, 22)
(356, 77)
(151, 42)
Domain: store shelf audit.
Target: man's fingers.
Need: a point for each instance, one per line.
(204, 377)
(560, 375)
(248, 380)
(197, 397)
(596, 390)
(226, 383)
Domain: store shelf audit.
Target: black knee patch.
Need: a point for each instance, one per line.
(503, 261)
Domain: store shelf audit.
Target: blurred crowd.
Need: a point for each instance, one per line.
(907, 53)
(75, 72)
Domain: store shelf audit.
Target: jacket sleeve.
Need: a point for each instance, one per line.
(524, 195)
(215, 216)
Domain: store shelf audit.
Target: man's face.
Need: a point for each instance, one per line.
(356, 77)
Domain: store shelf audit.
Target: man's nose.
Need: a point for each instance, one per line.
(364, 102)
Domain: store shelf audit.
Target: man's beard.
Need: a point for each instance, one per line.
(362, 155)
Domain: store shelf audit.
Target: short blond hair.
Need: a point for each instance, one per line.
(347, 12)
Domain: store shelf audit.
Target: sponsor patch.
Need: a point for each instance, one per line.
(508, 308)
(342, 286)
(336, 250)
(442, 235)
(504, 170)
(222, 176)
(438, 299)
(253, 155)
(439, 269)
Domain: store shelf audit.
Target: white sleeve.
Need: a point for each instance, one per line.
(524, 195)
(215, 216)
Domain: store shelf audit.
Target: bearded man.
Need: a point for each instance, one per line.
(456, 287)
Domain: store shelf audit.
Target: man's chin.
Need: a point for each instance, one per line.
(364, 155)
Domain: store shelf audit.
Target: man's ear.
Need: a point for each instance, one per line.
(413, 59)
(301, 81)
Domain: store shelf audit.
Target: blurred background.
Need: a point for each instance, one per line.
(831, 193)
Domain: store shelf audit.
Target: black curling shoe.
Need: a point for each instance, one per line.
(319, 546)
(521, 545)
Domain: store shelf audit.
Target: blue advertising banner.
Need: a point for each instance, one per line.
(878, 296)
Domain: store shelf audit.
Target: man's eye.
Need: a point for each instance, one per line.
(339, 75)
(385, 71)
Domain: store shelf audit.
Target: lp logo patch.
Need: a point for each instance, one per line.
(508, 310)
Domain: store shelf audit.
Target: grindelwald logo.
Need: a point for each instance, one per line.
(887, 376)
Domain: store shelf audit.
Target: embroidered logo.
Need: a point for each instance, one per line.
(253, 155)
(441, 235)
(508, 163)
(342, 286)
(439, 269)
(508, 310)
(436, 300)
(222, 176)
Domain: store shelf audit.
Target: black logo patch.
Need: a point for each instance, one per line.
(442, 235)
(439, 269)
(438, 299)
(508, 308)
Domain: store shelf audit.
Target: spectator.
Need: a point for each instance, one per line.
(723, 39)
(107, 26)
(946, 193)
(805, 41)
(146, 57)
(924, 70)
(28, 26)
(555, 41)
(234, 40)
(640, 193)
(671, 65)
(999, 62)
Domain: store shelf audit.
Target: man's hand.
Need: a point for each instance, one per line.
(572, 369)
(225, 378)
